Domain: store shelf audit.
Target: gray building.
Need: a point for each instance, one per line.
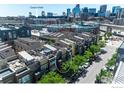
(49, 14)
(103, 8)
(22, 72)
(27, 44)
(29, 61)
(11, 33)
(17, 21)
(119, 67)
(6, 51)
(119, 21)
(7, 76)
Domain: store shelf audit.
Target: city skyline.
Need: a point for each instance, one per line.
(24, 9)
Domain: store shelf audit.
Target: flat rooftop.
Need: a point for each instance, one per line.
(26, 56)
(117, 26)
(2, 43)
(62, 41)
(50, 47)
(16, 66)
(5, 72)
(71, 26)
(27, 40)
(79, 37)
(4, 28)
(5, 48)
(35, 33)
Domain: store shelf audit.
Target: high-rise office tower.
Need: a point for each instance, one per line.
(85, 10)
(92, 10)
(68, 12)
(107, 14)
(84, 13)
(76, 10)
(49, 14)
(122, 13)
(103, 8)
(116, 9)
(43, 13)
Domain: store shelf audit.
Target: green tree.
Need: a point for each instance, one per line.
(98, 78)
(112, 61)
(51, 77)
(87, 54)
(114, 55)
(84, 60)
(94, 49)
(103, 73)
(109, 34)
(77, 60)
(70, 68)
(101, 43)
(66, 66)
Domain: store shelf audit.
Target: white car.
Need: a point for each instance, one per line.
(86, 65)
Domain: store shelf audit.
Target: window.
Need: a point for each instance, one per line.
(10, 35)
(52, 61)
(14, 34)
(4, 33)
(25, 79)
(44, 67)
(28, 32)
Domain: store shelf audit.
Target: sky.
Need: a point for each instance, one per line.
(24, 9)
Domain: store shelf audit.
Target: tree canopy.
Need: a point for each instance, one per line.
(51, 77)
(94, 48)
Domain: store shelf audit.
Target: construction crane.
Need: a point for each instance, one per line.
(36, 9)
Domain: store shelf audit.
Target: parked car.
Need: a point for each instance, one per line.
(86, 65)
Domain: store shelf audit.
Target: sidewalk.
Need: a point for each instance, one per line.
(94, 69)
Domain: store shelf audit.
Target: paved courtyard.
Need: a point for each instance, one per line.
(94, 69)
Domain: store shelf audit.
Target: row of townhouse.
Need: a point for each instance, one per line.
(33, 57)
(27, 66)
(77, 41)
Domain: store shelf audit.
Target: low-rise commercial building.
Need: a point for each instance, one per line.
(73, 28)
(11, 33)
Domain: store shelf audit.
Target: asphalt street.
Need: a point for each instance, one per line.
(95, 68)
